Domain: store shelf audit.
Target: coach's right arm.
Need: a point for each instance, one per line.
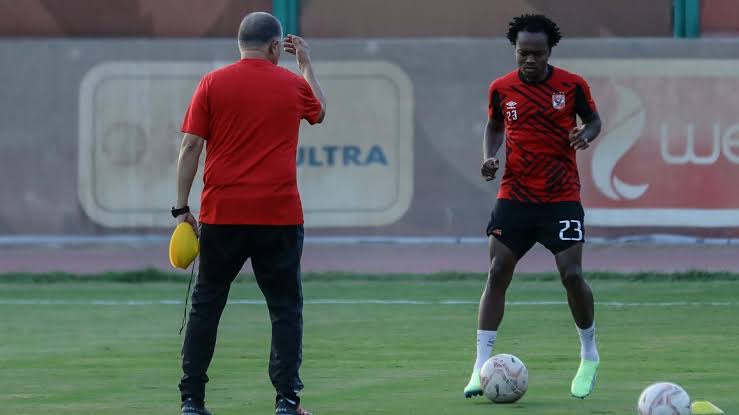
(298, 47)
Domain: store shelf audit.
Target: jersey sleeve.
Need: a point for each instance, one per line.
(494, 111)
(311, 105)
(197, 117)
(584, 104)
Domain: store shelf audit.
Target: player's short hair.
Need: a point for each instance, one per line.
(534, 23)
(258, 29)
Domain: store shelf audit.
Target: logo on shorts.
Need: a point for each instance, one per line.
(511, 105)
(558, 100)
(497, 232)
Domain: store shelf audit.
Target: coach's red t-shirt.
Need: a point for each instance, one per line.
(540, 164)
(249, 113)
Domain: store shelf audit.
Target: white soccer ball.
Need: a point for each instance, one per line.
(664, 399)
(504, 378)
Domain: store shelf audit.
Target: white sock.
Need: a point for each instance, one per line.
(588, 350)
(485, 342)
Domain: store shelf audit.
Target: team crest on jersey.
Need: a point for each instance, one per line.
(558, 100)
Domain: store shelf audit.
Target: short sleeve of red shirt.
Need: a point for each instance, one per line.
(494, 112)
(584, 104)
(311, 105)
(197, 117)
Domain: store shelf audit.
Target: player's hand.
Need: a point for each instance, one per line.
(295, 45)
(489, 168)
(189, 218)
(577, 141)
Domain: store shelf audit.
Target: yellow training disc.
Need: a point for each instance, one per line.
(705, 408)
(183, 246)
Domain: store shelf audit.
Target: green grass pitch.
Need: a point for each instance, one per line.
(63, 353)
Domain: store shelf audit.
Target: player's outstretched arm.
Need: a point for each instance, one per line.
(491, 143)
(582, 136)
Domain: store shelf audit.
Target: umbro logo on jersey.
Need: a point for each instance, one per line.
(511, 104)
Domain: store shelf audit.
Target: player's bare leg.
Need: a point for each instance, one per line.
(492, 307)
(579, 295)
(580, 299)
(492, 304)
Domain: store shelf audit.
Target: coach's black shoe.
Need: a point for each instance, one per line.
(289, 407)
(189, 407)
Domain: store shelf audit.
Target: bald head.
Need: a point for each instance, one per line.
(259, 29)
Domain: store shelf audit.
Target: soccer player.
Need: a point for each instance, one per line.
(534, 110)
(248, 113)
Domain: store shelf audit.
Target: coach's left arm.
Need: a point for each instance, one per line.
(187, 167)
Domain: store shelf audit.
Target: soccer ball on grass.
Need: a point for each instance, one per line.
(664, 398)
(504, 378)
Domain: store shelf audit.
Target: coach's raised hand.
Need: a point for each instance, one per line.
(295, 45)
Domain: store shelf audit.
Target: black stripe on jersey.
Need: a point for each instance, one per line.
(537, 165)
(542, 166)
(531, 160)
(528, 118)
(557, 179)
(553, 135)
(549, 94)
(517, 196)
(522, 194)
(524, 151)
(539, 93)
(555, 91)
(573, 185)
(546, 84)
(514, 190)
(556, 187)
(567, 184)
(532, 195)
(528, 97)
(545, 135)
(553, 125)
(562, 176)
(554, 168)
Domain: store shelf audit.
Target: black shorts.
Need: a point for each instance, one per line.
(519, 225)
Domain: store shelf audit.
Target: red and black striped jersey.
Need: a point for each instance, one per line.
(540, 165)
